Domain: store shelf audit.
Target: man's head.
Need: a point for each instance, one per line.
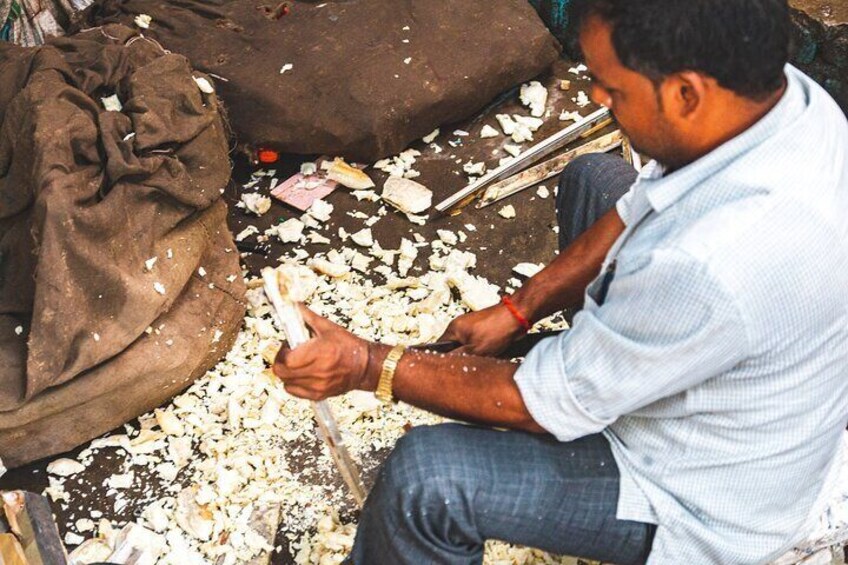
(682, 76)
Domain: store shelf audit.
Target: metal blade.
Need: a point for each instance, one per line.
(538, 151)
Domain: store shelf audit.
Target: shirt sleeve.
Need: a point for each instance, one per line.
(665, 327)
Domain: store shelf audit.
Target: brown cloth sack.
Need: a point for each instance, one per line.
(349, 91)
(88, 337)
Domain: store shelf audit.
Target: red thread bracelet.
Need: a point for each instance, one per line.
(525, 323)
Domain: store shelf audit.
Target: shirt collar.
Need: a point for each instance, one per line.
(663, 190)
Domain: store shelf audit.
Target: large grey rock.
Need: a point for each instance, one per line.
(367, 76)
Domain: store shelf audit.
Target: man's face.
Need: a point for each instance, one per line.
(633, 98)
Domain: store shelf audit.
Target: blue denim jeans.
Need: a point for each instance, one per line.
(447, 489)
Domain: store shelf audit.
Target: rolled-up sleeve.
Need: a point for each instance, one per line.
(666, 326)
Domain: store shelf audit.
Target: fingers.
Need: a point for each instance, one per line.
(305, 393)
(452, 333)
(317, 323)
(311, 388)
(292, 362)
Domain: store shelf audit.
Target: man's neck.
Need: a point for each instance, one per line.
(745, 114)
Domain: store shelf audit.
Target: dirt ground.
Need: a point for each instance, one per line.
(499, 244)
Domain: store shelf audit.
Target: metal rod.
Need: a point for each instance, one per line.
(538, 151)
(546, 170)
(297, 334)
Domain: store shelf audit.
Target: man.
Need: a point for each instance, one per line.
(699, 400)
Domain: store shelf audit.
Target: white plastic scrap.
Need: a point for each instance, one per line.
(513, 150)
(525, 126)
(287, 67)
(488, 132)
(159, 287)
(431, 137)
(348, 175)
(407, 195)
(543, 192)
(290, 231)
(121, 480)
(245, 233)
(204, 85)
(65, 467)
(363, 237)
(400, 165)
(566, 116)
(534, 96)
(507, 212)
(308, 168)
(112, 103)
(528, 269)
(148, 265)
(73, 539)
(321, 210)
(255, 202)
(474, 169)
(143, 21)
(506, 122)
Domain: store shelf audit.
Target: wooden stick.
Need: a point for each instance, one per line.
(548, 169)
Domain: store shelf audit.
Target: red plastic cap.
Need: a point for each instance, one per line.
(267, 156)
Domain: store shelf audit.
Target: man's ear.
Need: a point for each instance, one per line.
(683, 94)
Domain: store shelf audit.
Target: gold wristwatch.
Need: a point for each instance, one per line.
(387, 375)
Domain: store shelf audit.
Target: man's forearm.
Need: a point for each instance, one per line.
(473, 389)
(563, 283)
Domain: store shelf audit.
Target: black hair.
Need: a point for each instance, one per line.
(743, 44)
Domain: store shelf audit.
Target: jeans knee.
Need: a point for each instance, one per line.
(423, 466)
(576, 177)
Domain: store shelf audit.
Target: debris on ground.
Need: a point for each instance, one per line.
(535, 96)
(255, 203)
(143, 21)
(407, 195)
(507, 212)
(347, 175)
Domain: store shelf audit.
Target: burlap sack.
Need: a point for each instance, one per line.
(367, 77)
(90, 335)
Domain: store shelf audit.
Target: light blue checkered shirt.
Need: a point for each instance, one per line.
(717, 366)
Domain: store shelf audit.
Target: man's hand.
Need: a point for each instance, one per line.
(487, 332)
(333, 362)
